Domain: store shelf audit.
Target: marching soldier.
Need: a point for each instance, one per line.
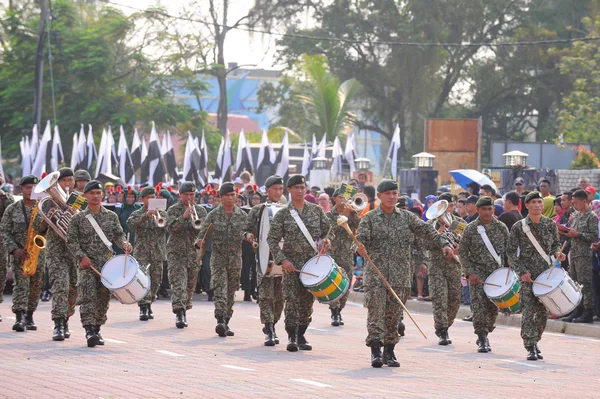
(525, 235)
(387, 235)
(482, 250)
(181, 254)
(341, 249)
(226, 256)
(5, 200)
(444, 281)
(82, 177)
(288, 225)
(150, 247)
(62, 268)
(14, 228)
(270, 291)
(89, 238)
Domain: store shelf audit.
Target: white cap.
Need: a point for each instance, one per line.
(238, 181)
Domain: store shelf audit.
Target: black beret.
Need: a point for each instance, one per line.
(147, 191)
(533, 195)
(295, 179)
(92, 185)
(65, 172)
(272, 180)
(485, 201)
(387, 185)
(29, 179)
(336, 193)
(447, 196)
(187, 187)
(472, 199)
(226, 188)
(402, 202)
(82, 175)
(580, 194)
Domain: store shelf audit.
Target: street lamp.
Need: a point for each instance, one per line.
(319, 163)
(362, 163)
(423, 160)
(515, 159)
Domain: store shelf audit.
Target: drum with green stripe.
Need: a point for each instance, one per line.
(324, 279)
(502, 287)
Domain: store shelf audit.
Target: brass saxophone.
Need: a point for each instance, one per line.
(34, 244)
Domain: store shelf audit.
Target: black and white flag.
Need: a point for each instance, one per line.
(125, 164)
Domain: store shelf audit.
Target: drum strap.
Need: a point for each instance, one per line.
(488, 244)
(304, 230)
(99, 231)
(536, 244)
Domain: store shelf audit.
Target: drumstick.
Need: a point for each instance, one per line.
(326, 237)
(493, 285)
(552, 269)
(341, 222)
(307, 273)
(126, 256)
(542, 284)
(100, 274)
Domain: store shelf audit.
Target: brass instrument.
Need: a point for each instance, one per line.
(34, 244)
(195, 219)
(452, 230)
(160, 221)
(60, 213)
(358, 201)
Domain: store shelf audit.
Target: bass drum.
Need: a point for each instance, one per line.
(264, 259)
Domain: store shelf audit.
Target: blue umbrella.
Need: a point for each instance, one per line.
(464, 177)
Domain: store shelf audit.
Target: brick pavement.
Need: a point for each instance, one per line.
(155, 360)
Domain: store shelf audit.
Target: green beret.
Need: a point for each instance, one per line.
(92, 185)
(271, 180)
(147, 191)
(533, 195)
(447, 196)
(387, 185)
(336, 193)
(226, 188)
(82, 175)
(484, 201)
(295, 179)
(65, 172)
(29, 179)
(187, 187)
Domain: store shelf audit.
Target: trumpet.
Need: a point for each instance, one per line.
(358, 202)
(160, 221)
(195, 219)
(451, 230)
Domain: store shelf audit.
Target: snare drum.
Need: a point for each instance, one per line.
(506, 297)
(563, 295)
(331, 282)
(129, 289)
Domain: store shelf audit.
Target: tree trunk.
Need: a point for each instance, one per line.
(39, 66)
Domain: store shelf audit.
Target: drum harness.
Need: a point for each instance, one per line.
(304, 230)
(536, 244)
(99, 231)
(488, 244)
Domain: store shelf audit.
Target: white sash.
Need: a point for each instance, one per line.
(99, 231)
(300, 224)
(488, 244)
(536, 244)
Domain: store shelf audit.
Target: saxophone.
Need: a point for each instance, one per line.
(34, 244)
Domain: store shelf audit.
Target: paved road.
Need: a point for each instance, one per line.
(154, 359)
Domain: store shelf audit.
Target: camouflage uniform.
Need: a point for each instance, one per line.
(226, 257)
(270, 288)
(528, 260)
(388, 240)
(445, 287)
(83, 241)
(341, 249)
(476, 259)
(297, 250)
(26, 289)
(181, 255)
(149, 249)
(586, 224)
(5, 201)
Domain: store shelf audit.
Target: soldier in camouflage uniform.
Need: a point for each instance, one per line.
(89, 251)
(529, 264)
(445, 286)
(270, 287)
(341, 249)
(226, 257)
(14, 228)
(181, 253)
(5, 200)
(61, 266)
(387, 234)
(478, 263)
(82, 177)
(150, 247)
(583, 233)
(295, 253)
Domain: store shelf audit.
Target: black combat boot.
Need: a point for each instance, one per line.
(247, 296)
(179, 319)
(0, 315)
(481, 346)
(443, 334)
(376, 360)
(538, 352)
(586, 317)
(335, 318)
(448, 336)
(91, 336)
(531, 353)
(389, 358)
(228, 332)
(100, 339)
(573, 315)
(292, 339)
(185, 323)
(221, 327)
(150, 313)
(144, 312)
(210, 296)
(303, 344)
(59, 330)
(29, 323)
(66, 327)
(401, 327)
(19, 325)
(275, 337)
(269, 338)
(339, 313)
(487, 342)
